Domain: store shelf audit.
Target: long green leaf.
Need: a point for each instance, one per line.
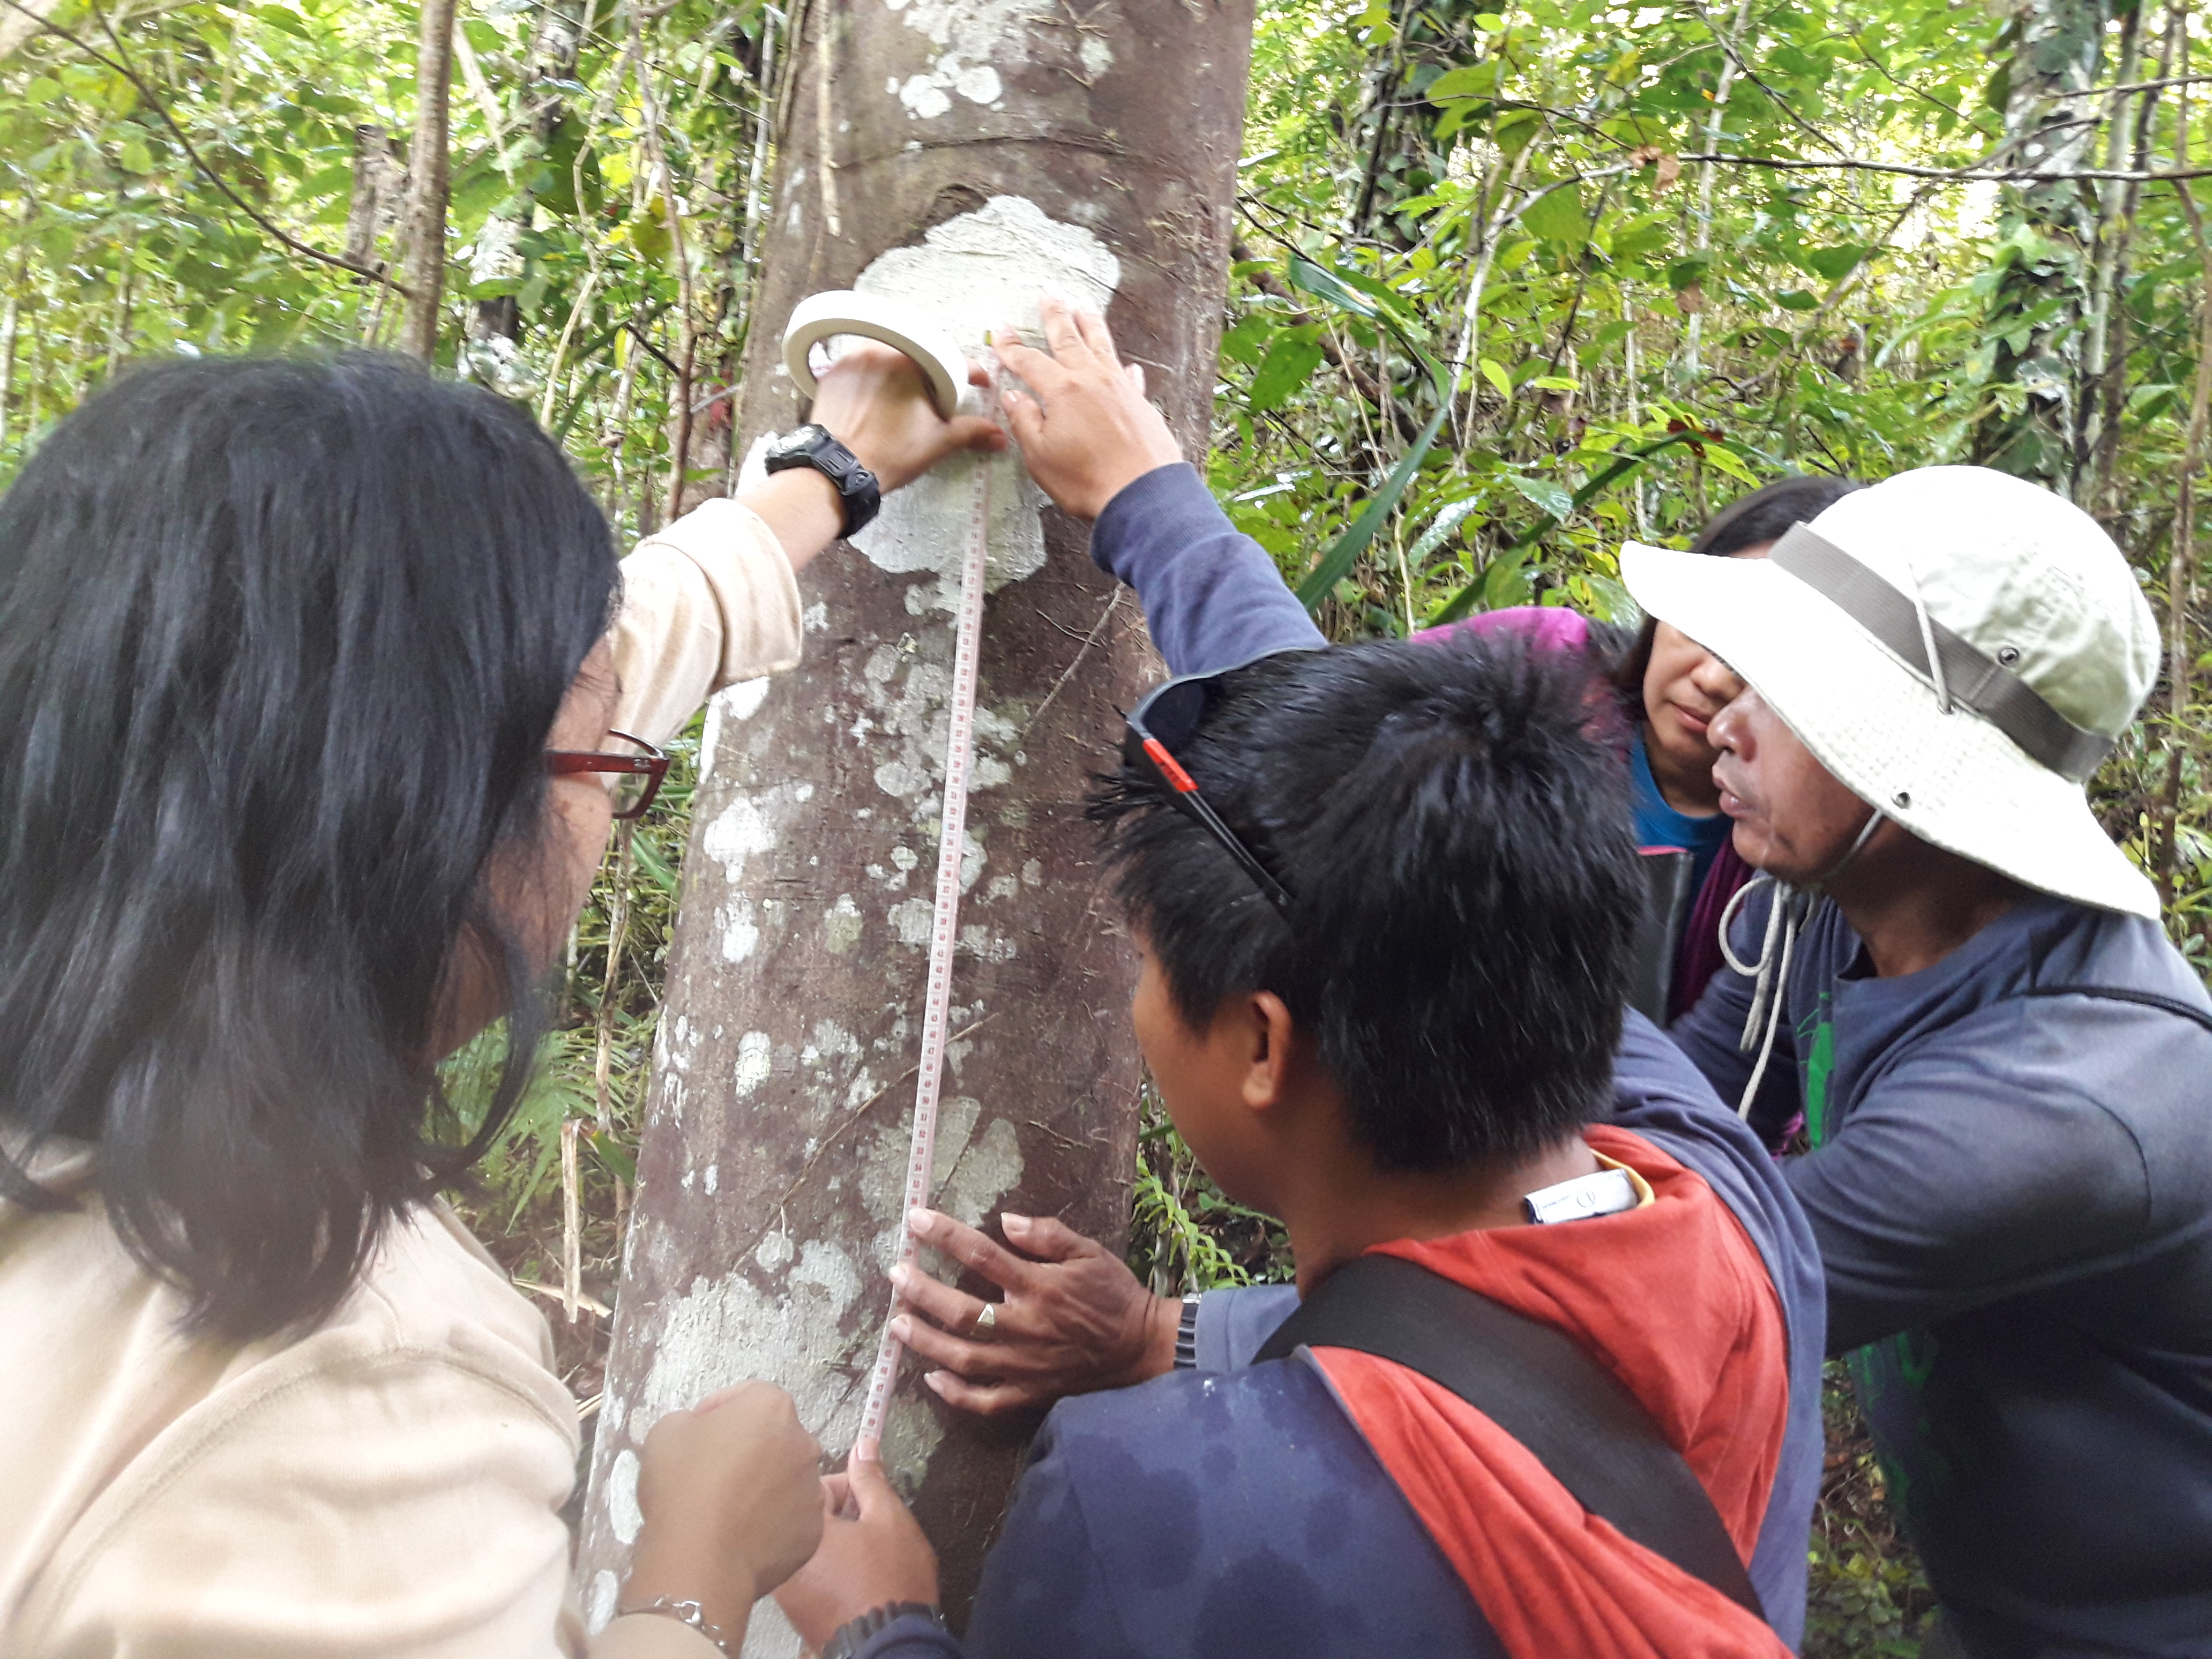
(1328, 285)
(1463, 601)
(1351, 544)
(1337, 288)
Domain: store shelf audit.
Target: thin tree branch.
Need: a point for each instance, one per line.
(659, 356)
(121, 65)
(1890, 76)
(1744, 69)
(1966, 175)
(2152, 86)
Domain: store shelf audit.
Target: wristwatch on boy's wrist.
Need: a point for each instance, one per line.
(848, 1639)
(1186, 1348)
(857, 487)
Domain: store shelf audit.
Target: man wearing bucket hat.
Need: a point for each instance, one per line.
(2005, 1069)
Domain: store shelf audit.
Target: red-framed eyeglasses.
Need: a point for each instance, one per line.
(637, 770)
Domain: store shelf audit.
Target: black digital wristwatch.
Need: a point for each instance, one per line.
(813, 446)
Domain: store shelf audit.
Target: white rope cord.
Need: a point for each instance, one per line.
(1771, 970)
(1758, 969)
(1787, 901)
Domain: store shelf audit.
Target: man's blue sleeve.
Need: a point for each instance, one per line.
(1661, 1096)
(1211, 596)
(1233, 1325)
(910, 1637)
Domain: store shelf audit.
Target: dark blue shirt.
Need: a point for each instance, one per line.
(1235, 1509)
(1214, 598)
(2012, 1196)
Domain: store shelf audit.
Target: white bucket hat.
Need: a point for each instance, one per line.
(2042, 648)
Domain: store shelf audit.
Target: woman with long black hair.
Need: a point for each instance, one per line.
(314, 679)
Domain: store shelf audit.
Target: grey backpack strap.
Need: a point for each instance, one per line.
(1540, 1386)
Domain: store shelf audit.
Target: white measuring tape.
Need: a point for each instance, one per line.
(877, 319)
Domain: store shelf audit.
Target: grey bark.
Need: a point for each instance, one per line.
(2115, 226)
(428, 168)
(2027, 424)
(2103, 497)
(379, 189)
(7, 318)
(1716, 124)
(777, 1116)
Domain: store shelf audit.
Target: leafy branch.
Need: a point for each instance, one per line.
(120, 65)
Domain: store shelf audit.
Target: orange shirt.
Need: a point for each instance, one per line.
(1673, 1300)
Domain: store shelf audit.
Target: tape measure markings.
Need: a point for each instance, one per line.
(937, 1008)
(914, 331)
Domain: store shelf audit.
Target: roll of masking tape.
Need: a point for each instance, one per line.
(905, 327)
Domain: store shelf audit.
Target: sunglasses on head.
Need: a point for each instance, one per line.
(1163, 724)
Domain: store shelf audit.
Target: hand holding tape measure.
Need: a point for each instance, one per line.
(922, 339)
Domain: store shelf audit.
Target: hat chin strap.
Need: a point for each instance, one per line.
(1875, 819)
(1927, 644)
(1771, 970)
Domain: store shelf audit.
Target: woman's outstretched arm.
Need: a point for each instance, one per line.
(713, 600)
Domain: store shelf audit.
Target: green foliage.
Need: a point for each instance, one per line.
(1475, 224)
(1869, 1595)
(1184, 1235)
(136, 157)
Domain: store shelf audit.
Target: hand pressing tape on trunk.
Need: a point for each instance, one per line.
(873, 317)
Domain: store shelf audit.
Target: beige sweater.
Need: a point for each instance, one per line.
(391, 1483)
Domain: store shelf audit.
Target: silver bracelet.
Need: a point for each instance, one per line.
(686, 1613)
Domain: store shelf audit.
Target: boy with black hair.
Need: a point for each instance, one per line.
(1383, 968)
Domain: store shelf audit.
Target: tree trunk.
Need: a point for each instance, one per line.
(550, 65)
(2181, 562)
(1716, 128)
(2116, 230)
(2026, 424)
(8, 320)
(2104, 497)
(21, 21)
(427, 174)
(379, 186)
(967, 165)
